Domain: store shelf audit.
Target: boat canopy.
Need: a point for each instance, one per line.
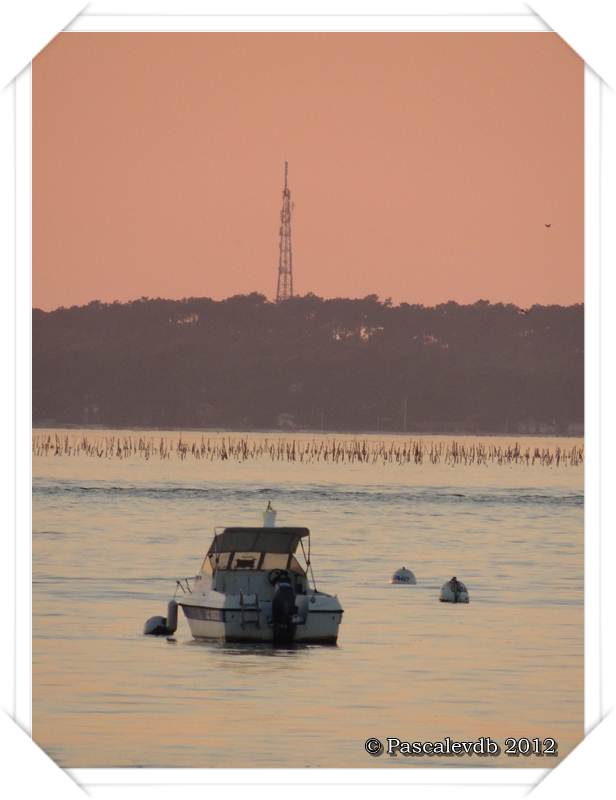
(257, 540)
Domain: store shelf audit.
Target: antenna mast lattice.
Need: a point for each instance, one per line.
(285, 256)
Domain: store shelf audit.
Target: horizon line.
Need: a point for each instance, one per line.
(387, 301)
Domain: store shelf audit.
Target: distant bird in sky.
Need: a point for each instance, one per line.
(548, 224)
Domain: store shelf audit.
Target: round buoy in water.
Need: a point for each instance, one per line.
(454, 591)
(156, 626)
(163, 626)
(403, 575)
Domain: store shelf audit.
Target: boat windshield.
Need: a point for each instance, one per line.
(251, 561)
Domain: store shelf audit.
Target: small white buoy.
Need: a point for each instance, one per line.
(403, 575)
(454, 591)
(269, 516)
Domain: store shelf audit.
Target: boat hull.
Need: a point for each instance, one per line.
(230, 625)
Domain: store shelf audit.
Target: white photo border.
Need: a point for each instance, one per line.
(523, 777)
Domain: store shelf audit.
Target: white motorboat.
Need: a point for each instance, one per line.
(252, 588)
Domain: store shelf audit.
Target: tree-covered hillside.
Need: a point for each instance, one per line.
(336, 364)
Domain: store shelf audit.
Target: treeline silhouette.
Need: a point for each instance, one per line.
(338, 364)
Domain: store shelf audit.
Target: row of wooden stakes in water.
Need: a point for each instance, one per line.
(310, 451)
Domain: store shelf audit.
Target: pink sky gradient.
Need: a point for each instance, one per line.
(424, 167)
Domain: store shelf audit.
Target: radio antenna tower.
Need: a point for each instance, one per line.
(285, 255)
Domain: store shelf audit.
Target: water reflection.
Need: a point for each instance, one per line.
(257, 648)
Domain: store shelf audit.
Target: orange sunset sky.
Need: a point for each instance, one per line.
(424, 166)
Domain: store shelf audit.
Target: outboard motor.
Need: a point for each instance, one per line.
(163, 626)
(283, 609)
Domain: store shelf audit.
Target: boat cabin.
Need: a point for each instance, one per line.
(253, 559)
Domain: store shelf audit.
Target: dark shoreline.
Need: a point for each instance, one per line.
(303, 431)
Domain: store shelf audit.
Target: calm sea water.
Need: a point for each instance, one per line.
(111, 536)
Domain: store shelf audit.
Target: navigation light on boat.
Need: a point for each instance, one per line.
(269, 516)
